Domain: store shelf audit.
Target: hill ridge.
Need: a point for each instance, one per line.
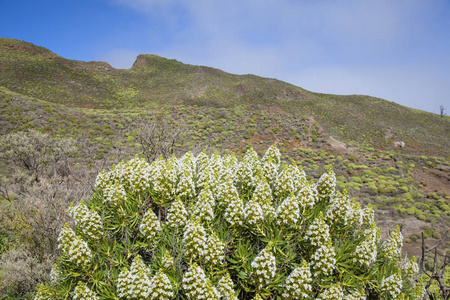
(154, 82)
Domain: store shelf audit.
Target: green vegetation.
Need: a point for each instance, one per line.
(193, 228)
(47, 102)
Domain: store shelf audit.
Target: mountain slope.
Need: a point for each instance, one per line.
(155, 82)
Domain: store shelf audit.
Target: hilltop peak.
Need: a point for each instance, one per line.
(18, 45)
(151, 61)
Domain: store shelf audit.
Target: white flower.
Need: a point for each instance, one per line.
(324, 259)
(334, 292)
(177, 214)
(197, 286)
(264, 268)
(326, 185)
(410, 269)
(288, 212)
(225, 287)
(318, 232)
(195, 240)
(392, 286)
(298, 283)
(290, 180)
(82, 292)
(340, 210)
(150, 225)
(235, 211)
(204, 208)
(114, 193)
(308, 196)
(160, 287)
(134, 284)
(86, 221)
(393, 246)
(73, 247)
(214, 252)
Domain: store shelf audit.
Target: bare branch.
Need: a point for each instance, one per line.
(158, 137)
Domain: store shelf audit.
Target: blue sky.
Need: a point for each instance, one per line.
(398, 50)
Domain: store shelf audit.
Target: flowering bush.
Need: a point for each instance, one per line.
(215, 227)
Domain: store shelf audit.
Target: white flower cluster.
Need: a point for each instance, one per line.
(340, 210)
(160, 287)
(323, 259)
(214, 250)
(308, 195)
(288, 212)
(204, 208)
(194, 240)
(393, 245)
(263, 196)
(202, 161)
(367, 215)
(410, 268)
(163, 176)
(358, 295)
(197, 286)
(249, 172)
(167, 261)
(102, 180)
(87, 221)
(207, 177)
(392, 287)
(354, 214)
(82, 292)
(134, 283)
(177, 215)
(290, 180)
(73, 247)
(264, 268)
(270, 169)
(188, 161)
(419, 291)
(235, 211)
(273, 153)
(230, 165)
(133, 174)
(200, 246)
(366, 252)
(225, 287)
(114, 193)
(326, 185)
(318, 232)
(186, 184)
(334, 292)
(254, 213)
(298, 283)
(150, 225)
(55, 273)
(226, 192)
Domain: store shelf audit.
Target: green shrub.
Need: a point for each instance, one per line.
(356, 179)
(403, 189)
(211, 227)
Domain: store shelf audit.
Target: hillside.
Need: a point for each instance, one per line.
(102, 110)
(155, 82)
